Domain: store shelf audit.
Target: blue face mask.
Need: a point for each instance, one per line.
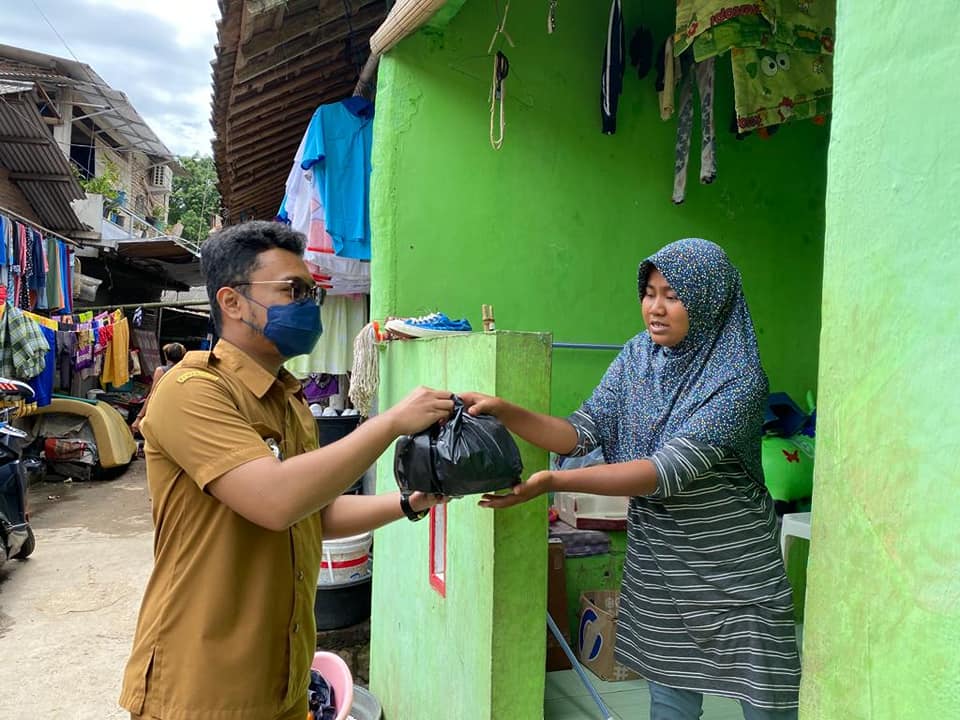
(294, 328)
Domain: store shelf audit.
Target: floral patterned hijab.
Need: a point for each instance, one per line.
(710, 387)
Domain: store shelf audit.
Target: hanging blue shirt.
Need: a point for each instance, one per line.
(42, 384)
(337, 148)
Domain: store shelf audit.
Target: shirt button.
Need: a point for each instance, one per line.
(296, 627)
(300, 575)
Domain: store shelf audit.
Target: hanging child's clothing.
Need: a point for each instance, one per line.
(704, 74)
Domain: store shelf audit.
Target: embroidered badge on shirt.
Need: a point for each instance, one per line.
(190, 374)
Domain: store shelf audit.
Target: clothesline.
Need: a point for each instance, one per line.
(41, 228)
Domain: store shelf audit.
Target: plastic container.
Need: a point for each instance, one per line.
(346, 560)
(334, 427)
(592, 512)
(365, 705)
(339, 606)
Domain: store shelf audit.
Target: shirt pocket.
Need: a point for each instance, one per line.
(271, 437)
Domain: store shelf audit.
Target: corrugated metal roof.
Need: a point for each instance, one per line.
(114, 111)
(36, 163)
(275, 63)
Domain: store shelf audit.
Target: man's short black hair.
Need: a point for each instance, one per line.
(229, 256)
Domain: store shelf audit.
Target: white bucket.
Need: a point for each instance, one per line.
(346, 560)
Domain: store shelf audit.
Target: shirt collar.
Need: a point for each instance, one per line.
(251, 373)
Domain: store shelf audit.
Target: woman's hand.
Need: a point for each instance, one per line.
(480, 404)
(135, 427)
(534, 487)
(424, 501)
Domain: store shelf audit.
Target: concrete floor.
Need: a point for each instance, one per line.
(67, 614)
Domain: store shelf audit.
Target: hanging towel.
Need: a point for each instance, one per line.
(116, 359)
(789, 77)
(695, 17)
(778, 86)
(740, 31)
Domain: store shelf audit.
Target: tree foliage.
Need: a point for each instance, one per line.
(195, 199)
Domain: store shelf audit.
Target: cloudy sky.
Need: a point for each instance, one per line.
(158, 52)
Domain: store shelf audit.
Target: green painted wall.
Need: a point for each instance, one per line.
(883, 594)
(468, 655)
(550, 230)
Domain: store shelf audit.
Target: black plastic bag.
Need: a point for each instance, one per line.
(464, 456)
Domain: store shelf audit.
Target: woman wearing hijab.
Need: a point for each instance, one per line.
(705, 606)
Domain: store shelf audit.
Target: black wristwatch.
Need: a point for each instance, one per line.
(408, 510)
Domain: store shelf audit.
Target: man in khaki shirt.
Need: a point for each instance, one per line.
(242, 497)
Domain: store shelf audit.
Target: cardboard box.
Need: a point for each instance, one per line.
(557, 605)
(598, 633)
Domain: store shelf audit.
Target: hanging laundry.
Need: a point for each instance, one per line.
(791, 77)
(695, 17)
(85, 344)
(611, 81)
(42, 384)
(23, 347)
(6, 251)
(66, 358)
(116, 361)
(303, 208)
(703, 73)
(772, 87)
(337, 148)
(319, 386)
(667, 72)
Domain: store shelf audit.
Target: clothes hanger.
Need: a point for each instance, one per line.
(358, 105)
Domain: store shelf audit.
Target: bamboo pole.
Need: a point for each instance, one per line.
(404, 18)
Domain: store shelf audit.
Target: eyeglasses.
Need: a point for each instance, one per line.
(299, 290)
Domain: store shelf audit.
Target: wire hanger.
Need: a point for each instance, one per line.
(501, 68)
(501, 29)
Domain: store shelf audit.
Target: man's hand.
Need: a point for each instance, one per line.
(419, 410)
(537, 485)
(480, 404)
(424, 501)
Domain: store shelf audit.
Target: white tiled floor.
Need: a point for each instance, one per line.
(567, 699)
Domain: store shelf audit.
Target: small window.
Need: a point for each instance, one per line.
(438, 549)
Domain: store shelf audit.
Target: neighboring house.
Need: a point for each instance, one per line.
(65, 108)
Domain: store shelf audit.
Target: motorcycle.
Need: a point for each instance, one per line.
(16, 536)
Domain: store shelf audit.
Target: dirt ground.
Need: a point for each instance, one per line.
(67, 614)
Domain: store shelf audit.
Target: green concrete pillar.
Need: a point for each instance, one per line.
(476, 652)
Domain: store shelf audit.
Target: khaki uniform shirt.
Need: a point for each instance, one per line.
(226, 629)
